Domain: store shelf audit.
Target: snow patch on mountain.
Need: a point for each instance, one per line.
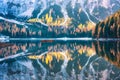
(27, 13)
(105, 3)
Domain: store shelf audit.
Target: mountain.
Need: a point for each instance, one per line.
(100, 9)
(43, 18)
(109, 28)
(17, 8)
(35, 8)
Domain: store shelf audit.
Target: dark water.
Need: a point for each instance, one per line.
(60, 60)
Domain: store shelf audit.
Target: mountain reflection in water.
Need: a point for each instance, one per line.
(71, 60)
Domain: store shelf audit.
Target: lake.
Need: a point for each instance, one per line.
(60, 60)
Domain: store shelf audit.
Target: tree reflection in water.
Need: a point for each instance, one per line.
(72, 60)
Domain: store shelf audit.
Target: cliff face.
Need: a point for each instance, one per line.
(16, 8)
(109, 28)
(29, 8)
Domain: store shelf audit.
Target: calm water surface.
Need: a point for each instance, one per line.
(60, 60)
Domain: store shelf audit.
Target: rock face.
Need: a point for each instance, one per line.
(30, 8)
(109, 28)
(102, 8)
(16, 8)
